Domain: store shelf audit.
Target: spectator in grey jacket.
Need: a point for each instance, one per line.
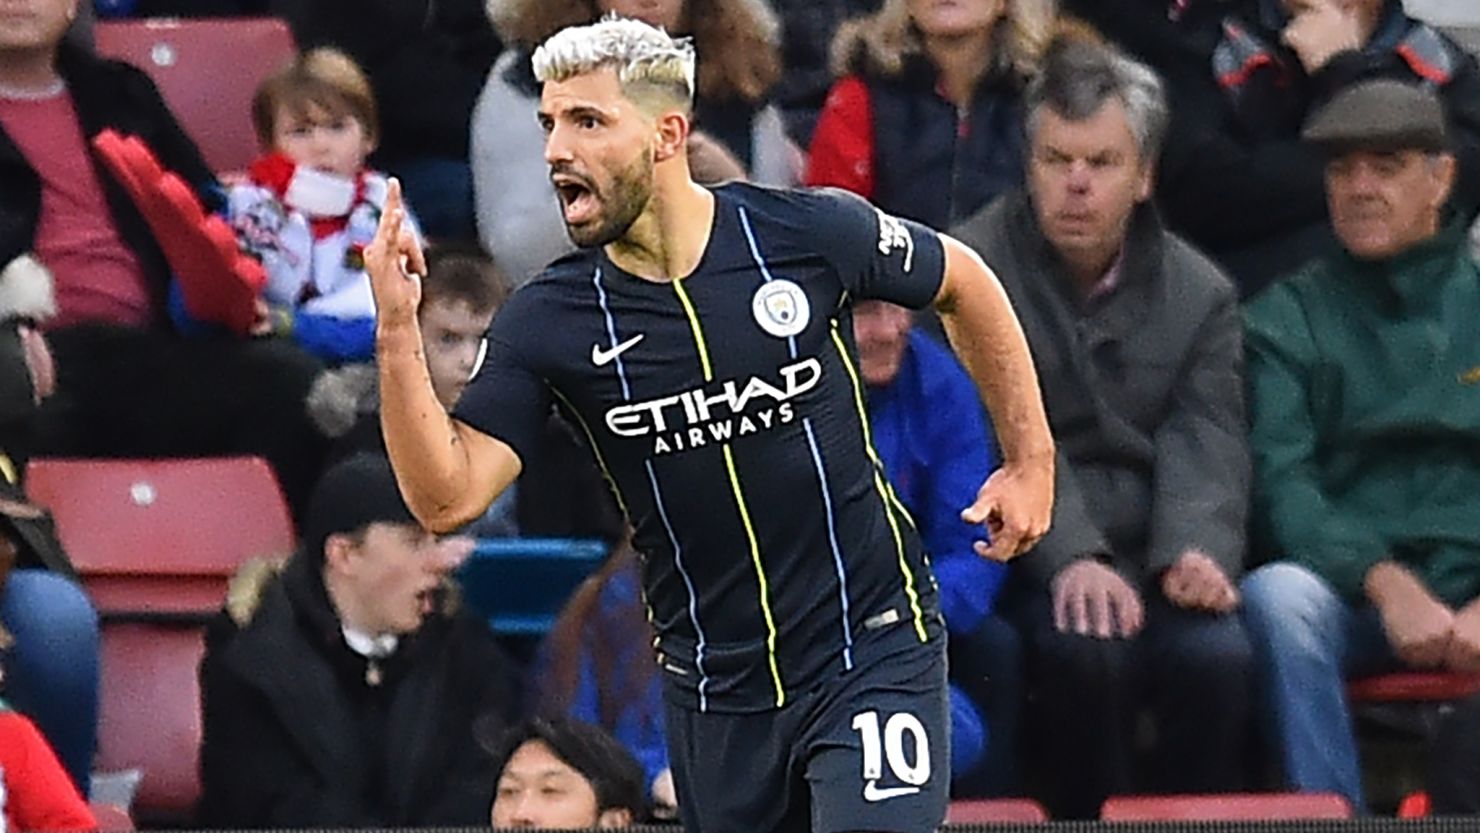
(1128, 601)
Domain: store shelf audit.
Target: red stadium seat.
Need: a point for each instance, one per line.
(1413, 687)
(150, 714)
(162, 536)
(1231, 807)
(207, 71)
(155, 543)
(996, 811)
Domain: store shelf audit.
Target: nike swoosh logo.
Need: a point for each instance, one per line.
(600, 357)
(872, 792)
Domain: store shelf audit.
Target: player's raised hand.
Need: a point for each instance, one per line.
(1015, 505)
(395, 264)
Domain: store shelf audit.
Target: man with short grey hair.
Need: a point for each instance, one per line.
(1128, 601)
(1362, 374)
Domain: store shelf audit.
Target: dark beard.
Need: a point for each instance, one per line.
(630, 191)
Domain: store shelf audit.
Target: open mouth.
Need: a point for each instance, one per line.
(578, 199)
(426, 601)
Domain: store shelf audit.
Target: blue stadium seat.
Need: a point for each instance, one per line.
(520, 584)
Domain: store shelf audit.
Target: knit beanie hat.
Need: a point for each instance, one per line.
(352, 495)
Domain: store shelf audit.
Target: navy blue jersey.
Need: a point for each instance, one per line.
(727, 411)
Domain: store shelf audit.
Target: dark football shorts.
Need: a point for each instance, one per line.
(866, 750)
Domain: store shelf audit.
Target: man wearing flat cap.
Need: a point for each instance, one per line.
(1364, 381)
(342, 689)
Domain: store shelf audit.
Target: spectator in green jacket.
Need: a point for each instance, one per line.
(1363, 371)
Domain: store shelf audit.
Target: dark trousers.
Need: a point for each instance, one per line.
(987, 664)
(1454, 766)
(134, 393)
(1191, 671)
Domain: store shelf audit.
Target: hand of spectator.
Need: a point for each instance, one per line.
(665, 797)
(1418, 626)
(1014, 505)
(39, 361)
(395, 264)
(1196, 582)
(270, 320)
(1464, 643)
(1091, 599)
(1321, 29)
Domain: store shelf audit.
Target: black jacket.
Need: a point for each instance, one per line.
(1235, 178)
(106, 94)
(934, 164)
(295, 735)
(1143, 390)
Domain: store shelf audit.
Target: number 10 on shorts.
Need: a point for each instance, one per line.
(892, 749)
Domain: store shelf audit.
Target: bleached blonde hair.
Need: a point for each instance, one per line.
(648, 61)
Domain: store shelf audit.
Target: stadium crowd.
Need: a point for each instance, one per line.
(1240, 237)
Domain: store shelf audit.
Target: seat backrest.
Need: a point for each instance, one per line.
(207, 70)
(150, 714)
(1230, 807)
(1413, 687)
(521, 584)
(996, 811)
(162, 535)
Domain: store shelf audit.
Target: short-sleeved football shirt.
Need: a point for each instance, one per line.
(727, 411)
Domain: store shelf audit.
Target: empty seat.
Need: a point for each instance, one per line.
(155, 543)
(150, 714)
(208, 71)
(1230, 807)
(162, 536)
(996, 811)
(520, 584)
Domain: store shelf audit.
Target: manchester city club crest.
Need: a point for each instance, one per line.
(780, 308)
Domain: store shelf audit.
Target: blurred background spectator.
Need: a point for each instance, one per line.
(1361, 372)
(427, 60)
(126, 384)
(1128, 604)
(929, 429)
(35, 792)
(1244, 76)
(926, 120)
(342, 689)
(310, 206)
(562, 774)
(596, 666)
(807, 31)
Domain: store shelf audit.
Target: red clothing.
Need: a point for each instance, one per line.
(38, 793)
(98, 277)
(842, 153)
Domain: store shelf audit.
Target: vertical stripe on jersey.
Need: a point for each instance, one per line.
(699, 645)
(755, 546)
(884, 489)
(832, 526)
(688, 583)
(611, 333)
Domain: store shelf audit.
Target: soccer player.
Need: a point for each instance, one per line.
(702, 341)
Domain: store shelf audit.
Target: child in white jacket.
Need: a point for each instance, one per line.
(310, 206)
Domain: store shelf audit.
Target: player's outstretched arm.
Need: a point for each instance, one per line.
(1016, 502)
(448, 472)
